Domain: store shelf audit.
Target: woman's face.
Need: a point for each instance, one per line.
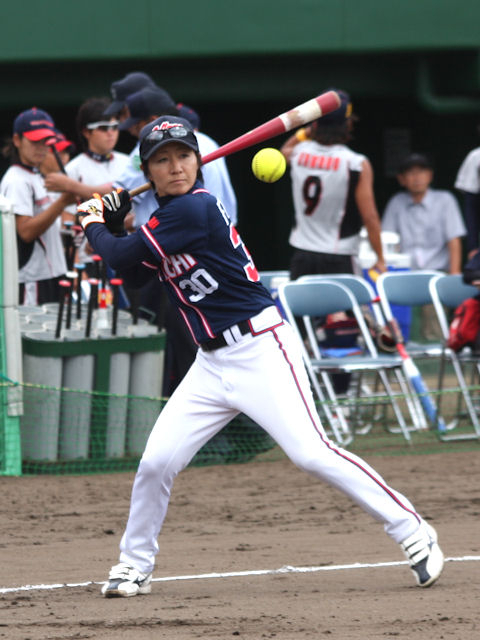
(173, 169)
(30, 153)
(103, 137)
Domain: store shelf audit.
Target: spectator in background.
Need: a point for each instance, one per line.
(142, 107)
(121, 89)
(61, 150)
(468, 181)
(40, 249)
(332, 188)
(59, 154)
(429, 223)
(97, 167)
(333, 196)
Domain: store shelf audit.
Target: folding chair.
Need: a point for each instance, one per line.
(447, 292)
(409, 289)
(310, 300)
(266, 277)
(367, 297)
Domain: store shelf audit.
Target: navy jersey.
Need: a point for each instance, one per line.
(193, 247)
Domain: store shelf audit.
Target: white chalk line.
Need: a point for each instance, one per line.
(235, 574)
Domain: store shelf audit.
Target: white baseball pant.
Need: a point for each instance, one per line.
(264, 377)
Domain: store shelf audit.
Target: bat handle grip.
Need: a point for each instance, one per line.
(141, 189)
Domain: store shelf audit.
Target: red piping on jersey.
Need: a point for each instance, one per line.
(150, 265)
(150, 237)
(184, 315)
(329, 445)
(203, 319)
(200, 191)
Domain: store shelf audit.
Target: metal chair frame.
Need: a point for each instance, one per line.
(367, 297)
(320, 298)
(448, 292)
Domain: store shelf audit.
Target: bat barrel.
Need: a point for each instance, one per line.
(303, 114)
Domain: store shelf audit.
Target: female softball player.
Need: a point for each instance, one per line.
(248, 360)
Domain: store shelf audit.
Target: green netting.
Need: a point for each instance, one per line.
(70, 431)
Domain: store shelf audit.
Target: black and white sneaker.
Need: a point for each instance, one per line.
(424, 555)
(125, 581)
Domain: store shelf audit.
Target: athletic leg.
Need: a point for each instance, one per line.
(196, 411)
(285, 409)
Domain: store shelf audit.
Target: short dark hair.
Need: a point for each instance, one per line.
(420, 160)
(92, 110)
(332, 134)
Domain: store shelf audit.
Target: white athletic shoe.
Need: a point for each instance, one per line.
(424, 555)
(125, 581)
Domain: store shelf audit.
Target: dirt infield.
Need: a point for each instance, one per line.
(241, 518)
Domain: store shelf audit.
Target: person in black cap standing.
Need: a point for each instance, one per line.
(121, 89)
(142, 106)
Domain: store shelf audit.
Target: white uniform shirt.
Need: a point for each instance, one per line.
(26, 191)
(324, 178)
(468, 176)
(84, 168)
(216, 180)
(425, 228)
(87, 170)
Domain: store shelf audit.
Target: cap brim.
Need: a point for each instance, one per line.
(39, 134)
(114, 108)
(129, 122)
(63, 144)
(162, 143)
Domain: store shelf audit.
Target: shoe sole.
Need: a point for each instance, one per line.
(115, 593)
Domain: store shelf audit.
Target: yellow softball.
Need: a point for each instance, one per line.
(268, 165)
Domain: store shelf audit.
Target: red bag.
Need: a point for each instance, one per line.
(465, 325)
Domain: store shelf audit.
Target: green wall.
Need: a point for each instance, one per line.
(102, 29)
(411, 66)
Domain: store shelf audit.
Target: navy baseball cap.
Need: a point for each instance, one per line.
(184, 111)
(163, 130)
(34, 124)
(340, 115)
(149, 101)
(120, 89)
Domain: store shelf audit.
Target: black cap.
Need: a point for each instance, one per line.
(184, 111)
(164, 130)
(340, 115)
(414, 160)
(120, 89)
(149, 101)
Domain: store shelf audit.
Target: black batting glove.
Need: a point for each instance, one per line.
(116, 205)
